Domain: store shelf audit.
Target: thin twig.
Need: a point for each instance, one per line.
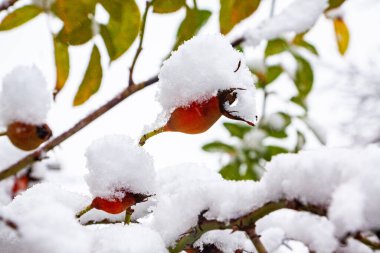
(242, 223)
(3, 133)
(255, 238)
(36, 155)
(6, 4)
(139, 49)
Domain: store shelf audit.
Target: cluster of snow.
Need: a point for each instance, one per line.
(128, 239)
(115, 163)
(199, 69)
(314, 231)
(323, 178)
(45, 219)
(298, 17)
(25, 96)
(226, 240)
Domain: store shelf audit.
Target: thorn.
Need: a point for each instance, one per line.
(238, 67)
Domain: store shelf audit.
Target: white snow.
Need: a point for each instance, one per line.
(25, 96)
(199, 69)
(115, 163)
(227, 241)
(133, 238)
(314, 231)
(298, 17)
(45, 216)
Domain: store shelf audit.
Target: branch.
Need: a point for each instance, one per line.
(6, 4)
(139, 49)
(37, 155)
(3, 134)
(243, 223)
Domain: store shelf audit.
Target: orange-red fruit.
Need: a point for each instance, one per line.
(114, 206)
(195, 118)
(20, 184)
(26, 136)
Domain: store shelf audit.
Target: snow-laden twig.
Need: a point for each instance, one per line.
(6, 4)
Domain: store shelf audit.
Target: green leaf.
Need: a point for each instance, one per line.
(304, 77)
(192, 23)
(299, 100)
(273, 151)
(234, 11)
(73, 13)
(231, 171)
(19, 17)
(80, 35)
(123, 26)
(301, 140)
(167, 6)
(311, 48)
(276, 46)
(273, 72)
(334, 4)
(92, 79)
(237, 130)
(62, 64)
(342, 35)
(218, 146)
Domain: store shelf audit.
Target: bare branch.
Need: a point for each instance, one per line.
(139, 49)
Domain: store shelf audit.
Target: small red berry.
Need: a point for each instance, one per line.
(114, 206)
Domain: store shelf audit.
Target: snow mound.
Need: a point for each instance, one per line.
(25, 96)
(115, 163)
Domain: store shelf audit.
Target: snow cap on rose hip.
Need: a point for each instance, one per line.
(116, 165)
(25, 97)
(202, 67)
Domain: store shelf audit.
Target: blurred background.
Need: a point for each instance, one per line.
(339, 108)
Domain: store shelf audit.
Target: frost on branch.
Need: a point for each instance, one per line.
(25, 97)
(199, 69)
(298, 17)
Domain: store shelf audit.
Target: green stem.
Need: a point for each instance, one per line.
(139, 48)
(128, 214)
(145, 137)
(85, 210)
(195, 4)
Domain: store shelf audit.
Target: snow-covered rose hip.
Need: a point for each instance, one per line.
(203, 80)
(24, 103)
(121, 174)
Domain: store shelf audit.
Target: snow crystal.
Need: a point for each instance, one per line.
(116, 163)
(315, 231)
(25, 96)
(199, 69)
(227, 241)
(298, 17)
(128, 239)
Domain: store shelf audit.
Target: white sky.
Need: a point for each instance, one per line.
(32, 44)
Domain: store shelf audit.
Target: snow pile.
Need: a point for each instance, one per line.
(187, 190)
(326, 178)
(199, 69)
(314, 231)
(133, 238)
(45, 219)
(227, 241)
(298, 17)
(25, 96)
(115, 164)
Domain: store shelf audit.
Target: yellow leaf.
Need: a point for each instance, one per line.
(342, 35)
(19, 17)
(62, 64)
(167, 6)
(234, 11)
(92, 79)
